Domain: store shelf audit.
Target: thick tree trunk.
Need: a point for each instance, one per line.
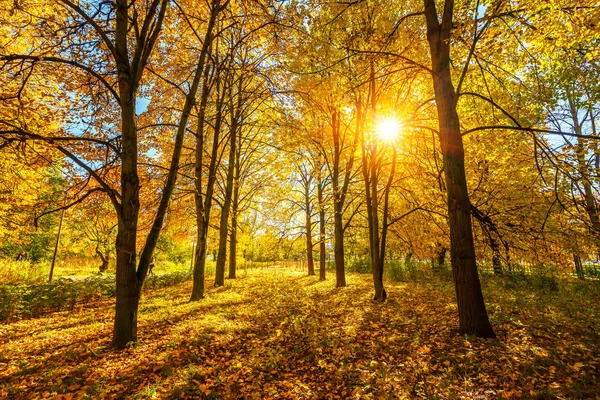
(130, 277)
(471, 307)
(128, 288)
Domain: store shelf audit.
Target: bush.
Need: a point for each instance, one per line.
(330, 265)
(30, 301)
(164, 280)
(404, 271)
(538, 280)
(361, 265)
(395, 270)
(22, 271)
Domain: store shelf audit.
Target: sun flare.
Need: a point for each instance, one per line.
(388, 128)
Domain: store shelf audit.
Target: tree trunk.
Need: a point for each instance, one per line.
(322, 247)
(496, 259)
(234, 217)
(306, 181)
(60, 224)
(309, 247)
(104, 260)
(441, 257)
(128, 288)
(471, 307)
(338, 206)
(340, 275)
(204, 205)
(579, 267)
(226, 209)
(200, 263)
(129, 278)
(233, 246)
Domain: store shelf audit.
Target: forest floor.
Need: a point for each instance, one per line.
(276, 333)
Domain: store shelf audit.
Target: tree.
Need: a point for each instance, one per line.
(473, 316)
(122, 55)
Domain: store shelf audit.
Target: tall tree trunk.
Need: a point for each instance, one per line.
(128, 288)
(129, 279)
(226, 209)
(322, 247)
(309, 246)
(338, 205)
(374, 227)
(385, 225)
(372, 183)
(306, 182)
(338, 232)
(471, 307)
(234, 216)
(204, 204)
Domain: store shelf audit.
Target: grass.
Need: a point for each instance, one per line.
(276, 333)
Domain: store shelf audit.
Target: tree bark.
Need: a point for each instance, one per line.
(226, 209)
(306, 180)
(322, 247)
(471, 307)
(60, 224)
(128, 288)
(104, 260)
(579, 267)
(204, 205)
(338, 206)
(234, 216)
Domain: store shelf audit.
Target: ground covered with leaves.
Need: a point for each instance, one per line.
(275, 333)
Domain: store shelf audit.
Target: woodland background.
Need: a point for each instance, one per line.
(424, 143)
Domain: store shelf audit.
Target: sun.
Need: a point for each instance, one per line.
(388, 128)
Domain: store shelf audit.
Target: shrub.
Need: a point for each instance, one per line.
(362, 265)
(395, 270)
(22, 271)
(164, 280)
(23, 301)
(403, 271)
(539, 280)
